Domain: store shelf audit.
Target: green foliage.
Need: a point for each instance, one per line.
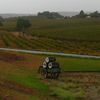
(22, 24)
(95, 14)
(68, 94)
(1, 24)
(73, 35)
(30, 81)
(51, 15)
(79, 64)
(6, 40)
(1, 19)
(19, 72)
(81, 15)
(17, 41)
(68, 29)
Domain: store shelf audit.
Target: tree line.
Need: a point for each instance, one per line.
(82, 14)
(55, 15)
(50, 15)
(23, 23)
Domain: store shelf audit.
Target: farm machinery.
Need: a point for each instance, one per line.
(50, 68)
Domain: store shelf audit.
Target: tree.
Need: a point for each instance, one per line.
(82, 14)
(95, 14)
(50, 15)
(22, 24)
(1, 24)
(1, 21)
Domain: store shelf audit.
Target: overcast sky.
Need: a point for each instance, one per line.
(34, 6)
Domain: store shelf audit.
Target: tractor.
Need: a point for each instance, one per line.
(50, 68)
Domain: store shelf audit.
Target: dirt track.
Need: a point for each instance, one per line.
(90, 81)
(91, 78)
(10, 85)
(50, 53)
(5, 84)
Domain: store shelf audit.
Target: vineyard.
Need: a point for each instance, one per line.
(14, 40)
(80, 77)
(11, 41)
(80, 36)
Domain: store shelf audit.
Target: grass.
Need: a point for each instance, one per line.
(68, 94)
(30, 81)
(22, 76)
(80, 64)
(24, 72)
(68, 90)
(69, 29)
(77, 29)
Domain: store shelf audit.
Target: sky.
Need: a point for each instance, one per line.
(34, 6)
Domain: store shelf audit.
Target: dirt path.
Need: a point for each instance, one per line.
(86, 78)
(88, 81)
(50, 53)
(5, 84)
(81, 74)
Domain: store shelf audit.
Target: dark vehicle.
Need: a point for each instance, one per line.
(50, 68)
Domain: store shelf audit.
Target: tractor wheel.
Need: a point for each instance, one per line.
(40, 69)
(52, 76)
(56, 75)
(45, 75)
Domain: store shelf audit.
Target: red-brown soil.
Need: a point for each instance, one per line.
(17, 87)
(10, 57)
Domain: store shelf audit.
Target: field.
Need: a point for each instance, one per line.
(81, 36)
(80, 77)
(19, 78)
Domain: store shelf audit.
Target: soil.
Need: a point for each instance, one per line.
(10, 57)
(90, 81)
(17, 87)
